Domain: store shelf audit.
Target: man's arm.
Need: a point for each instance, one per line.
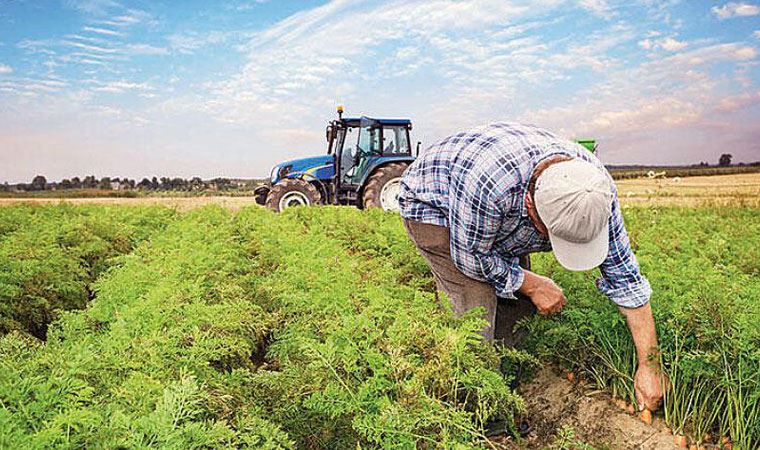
(649, 380)
(624, 284)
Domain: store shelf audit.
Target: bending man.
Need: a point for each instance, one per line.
(478, 201)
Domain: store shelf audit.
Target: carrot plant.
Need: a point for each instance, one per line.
(49, 255)
(703, 267)
(321, 328)
(162, 357)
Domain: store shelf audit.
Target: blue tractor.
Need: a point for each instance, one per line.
(363, 167)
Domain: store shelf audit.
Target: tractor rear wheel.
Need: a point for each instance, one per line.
(382, 188)
(292, 192)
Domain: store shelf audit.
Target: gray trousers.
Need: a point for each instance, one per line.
(464, 292)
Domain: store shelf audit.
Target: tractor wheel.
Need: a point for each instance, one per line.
(382, 188)
(260, 194)
(292, 192)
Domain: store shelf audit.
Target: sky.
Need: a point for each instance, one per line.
(232, 87)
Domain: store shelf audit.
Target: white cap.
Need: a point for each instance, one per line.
(574, 200)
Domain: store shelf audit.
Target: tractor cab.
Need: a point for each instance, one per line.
(363, 166)
(360, 145)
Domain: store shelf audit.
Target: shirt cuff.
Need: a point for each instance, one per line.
(632, 295)
(514, 282)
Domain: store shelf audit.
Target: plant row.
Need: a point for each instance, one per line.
(703, 266)
(255, 330)
(49, 256)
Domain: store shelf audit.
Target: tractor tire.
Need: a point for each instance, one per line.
(292, 192)
(260, 195)
(381, 190)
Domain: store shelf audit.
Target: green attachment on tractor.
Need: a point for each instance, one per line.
(590, 144)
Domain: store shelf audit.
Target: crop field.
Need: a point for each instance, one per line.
(319, 328)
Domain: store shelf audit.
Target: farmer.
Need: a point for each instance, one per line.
(477, 202)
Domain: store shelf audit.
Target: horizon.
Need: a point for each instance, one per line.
(136, 88)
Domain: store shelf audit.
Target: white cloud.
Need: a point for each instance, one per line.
(117, 87)
(188, 43)
(737, 102)
(144, 49)
(90, 48)
(95, 7)
(103, 31)
(668, 43)
(757, 34)
(598, 7)
(733, 9)
(5, 69)
(672, 45)
(130, 18)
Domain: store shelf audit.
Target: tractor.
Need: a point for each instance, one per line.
(363, 166)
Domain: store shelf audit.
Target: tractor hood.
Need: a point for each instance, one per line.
(320, 167)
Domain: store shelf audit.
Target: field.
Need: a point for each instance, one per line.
(197, 326)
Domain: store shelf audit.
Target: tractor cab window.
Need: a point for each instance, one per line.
(395, 141)
(356, 153)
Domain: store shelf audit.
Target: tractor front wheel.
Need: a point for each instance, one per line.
(292, 192)
(383, 187)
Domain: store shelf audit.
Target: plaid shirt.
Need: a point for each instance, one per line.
(475, 182)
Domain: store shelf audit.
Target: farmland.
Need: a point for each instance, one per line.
(208, 327)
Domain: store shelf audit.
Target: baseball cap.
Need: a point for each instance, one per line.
(574, 200)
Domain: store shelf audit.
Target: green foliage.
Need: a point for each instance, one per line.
(256, 330)
(49, 255)
(320, 328)
(703, 267)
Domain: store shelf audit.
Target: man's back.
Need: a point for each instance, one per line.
(496, 160)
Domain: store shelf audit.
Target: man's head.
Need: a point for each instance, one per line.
(571, 200)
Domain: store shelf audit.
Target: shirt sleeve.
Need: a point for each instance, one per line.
(475, 217)
(621, 279)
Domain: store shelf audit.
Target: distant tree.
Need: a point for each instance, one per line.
(179, 184)
(725, 160)
(76, 183)
(196, 184)
(5, 187)
(154, 183)
(90, 182)
(166, 183)
(65, 184)
(105, 183)
(38, 183)
(129, 182)
(144, 184)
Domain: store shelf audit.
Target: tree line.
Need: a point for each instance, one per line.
(40, 183)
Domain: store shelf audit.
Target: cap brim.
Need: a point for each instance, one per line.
(586, 256)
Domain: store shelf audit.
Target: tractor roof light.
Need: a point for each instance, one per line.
(340, 112)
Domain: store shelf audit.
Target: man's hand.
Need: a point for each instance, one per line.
(543, 292)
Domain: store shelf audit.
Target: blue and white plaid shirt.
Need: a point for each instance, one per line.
(475, 182)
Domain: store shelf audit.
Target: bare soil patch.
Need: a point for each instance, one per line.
(554, 402)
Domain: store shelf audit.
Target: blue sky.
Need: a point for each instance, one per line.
(229, 88)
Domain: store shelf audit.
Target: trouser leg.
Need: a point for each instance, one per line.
(511, 311)
(464, 292)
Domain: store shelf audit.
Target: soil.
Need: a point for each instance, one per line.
(554, 402)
